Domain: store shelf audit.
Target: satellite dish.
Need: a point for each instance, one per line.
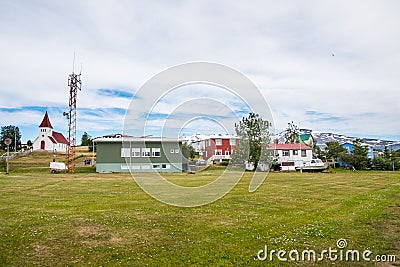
(7, 141)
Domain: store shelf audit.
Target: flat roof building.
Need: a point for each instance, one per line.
(150, 154)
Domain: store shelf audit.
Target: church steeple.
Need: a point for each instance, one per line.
(46, 122)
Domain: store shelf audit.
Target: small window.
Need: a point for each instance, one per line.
(166, 166)
(124, 167)
(145, 152)
(295, 152)
(135, 167)
(218, 152)
(136, 152)
(155, 152)
(285, 153)
(125, 152)
(156, 166)
(146, 166)
(218, 142)
(227, 152)
(232, 142)
(304, 153)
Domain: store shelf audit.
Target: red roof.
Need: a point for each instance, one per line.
(59, 137)
(46, 122)
(52, 139)
(289, 147)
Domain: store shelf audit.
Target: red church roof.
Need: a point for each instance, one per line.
(46, 122)
(52, 140)
(59, 137)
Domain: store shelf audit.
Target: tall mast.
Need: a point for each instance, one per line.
(74, 83)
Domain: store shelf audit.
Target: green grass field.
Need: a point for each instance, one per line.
(106, 219)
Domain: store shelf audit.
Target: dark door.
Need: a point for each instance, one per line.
(42, 144)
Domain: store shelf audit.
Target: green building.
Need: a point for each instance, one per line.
(134, 154)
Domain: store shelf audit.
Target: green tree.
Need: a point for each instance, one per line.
(334, 150)
(191, 152)
(292, 133)
(382, 163)
(87, 140)
(318, 152)
(254, 135)
(345, 158)
(387, 161)
(360, 158)
(13, 133)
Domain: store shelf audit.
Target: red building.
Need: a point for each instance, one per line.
(219, 147)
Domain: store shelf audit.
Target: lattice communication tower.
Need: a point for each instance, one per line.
(74, 83)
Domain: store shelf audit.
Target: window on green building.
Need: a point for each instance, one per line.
(156, 152)
(146, 152)
(136, 152)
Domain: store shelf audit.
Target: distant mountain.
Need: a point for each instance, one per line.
(322, 138)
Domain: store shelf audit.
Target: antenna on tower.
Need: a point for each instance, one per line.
(74, 83)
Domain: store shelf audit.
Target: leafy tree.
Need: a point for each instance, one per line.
(387, 161)
(359, 156)
(382, 163)
(345, 157)
(334, 150)
(191, 152)
(254, 134)
(318, 152)
(386, 152)
(292, 134)
(11, 132)
(87, 140)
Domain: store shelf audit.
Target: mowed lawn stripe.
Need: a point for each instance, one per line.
(106, 219)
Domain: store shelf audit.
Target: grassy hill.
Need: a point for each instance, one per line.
(39, 161)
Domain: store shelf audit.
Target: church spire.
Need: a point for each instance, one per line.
(46, 122)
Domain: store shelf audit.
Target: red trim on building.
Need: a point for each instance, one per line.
(289, 147)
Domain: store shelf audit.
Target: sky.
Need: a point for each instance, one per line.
(330, 66)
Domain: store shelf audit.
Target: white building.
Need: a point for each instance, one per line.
(48, 139)
(291, 156)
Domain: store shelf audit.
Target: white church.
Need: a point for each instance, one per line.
(48, 139)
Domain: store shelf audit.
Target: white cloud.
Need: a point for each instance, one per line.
(284, 47)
